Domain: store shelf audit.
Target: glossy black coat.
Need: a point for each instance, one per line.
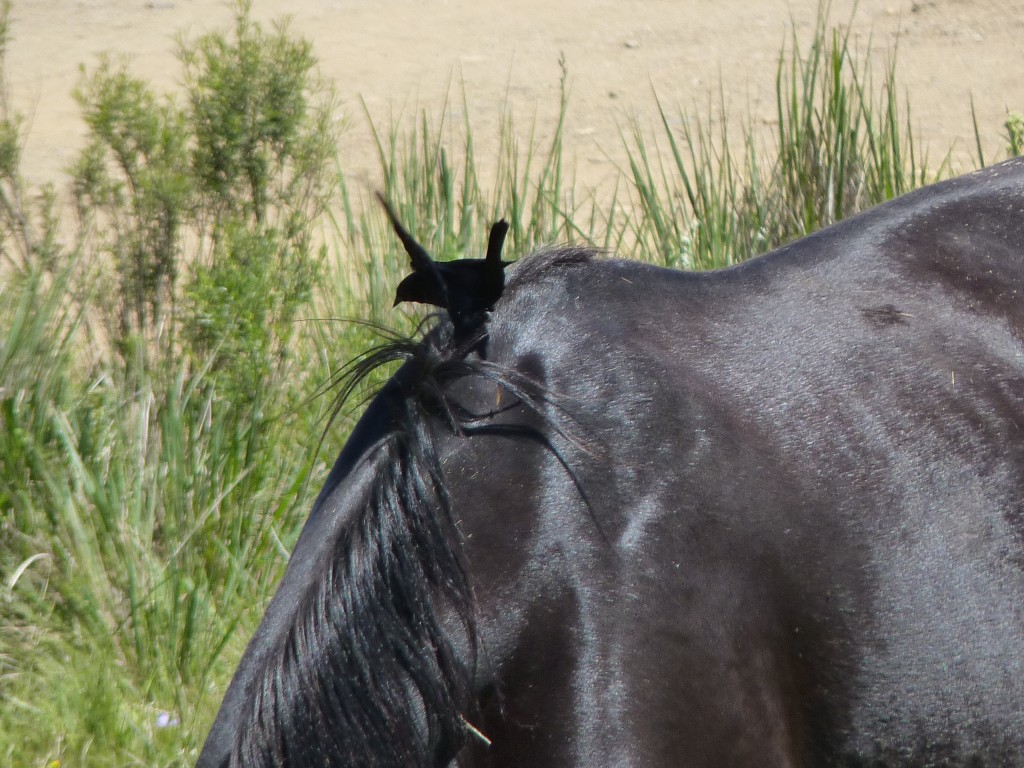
(766, 516)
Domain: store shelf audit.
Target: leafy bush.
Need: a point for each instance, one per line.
(227, 190)
(152, 470)
(134, 196)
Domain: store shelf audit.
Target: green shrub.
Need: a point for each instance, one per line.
(152, 470)
(223, 195)
(133, 196)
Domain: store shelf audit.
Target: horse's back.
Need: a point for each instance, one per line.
(787, 524)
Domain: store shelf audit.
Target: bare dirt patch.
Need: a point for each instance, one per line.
(403, 55)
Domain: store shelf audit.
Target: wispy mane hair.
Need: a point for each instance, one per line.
(367, 675)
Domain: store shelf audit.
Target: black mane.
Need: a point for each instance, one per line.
(540, 263)
(368, 673)
(367, 649)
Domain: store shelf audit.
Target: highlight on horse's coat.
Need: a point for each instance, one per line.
(771, 515)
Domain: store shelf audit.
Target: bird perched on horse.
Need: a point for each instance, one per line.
(466, 288)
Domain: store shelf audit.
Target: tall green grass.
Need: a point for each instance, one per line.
(841, 143)
(147, 510)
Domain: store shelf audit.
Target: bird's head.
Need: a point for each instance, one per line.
(419, 288)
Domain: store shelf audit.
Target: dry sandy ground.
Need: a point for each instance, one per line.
(402, 55)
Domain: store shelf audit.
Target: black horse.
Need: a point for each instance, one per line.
(766, 516)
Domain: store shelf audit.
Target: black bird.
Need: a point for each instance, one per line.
(466, 288)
